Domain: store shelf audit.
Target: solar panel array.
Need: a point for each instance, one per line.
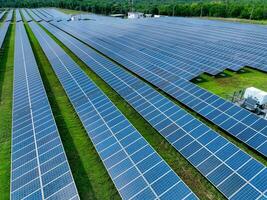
(213, 44)
(238, 122)
(137, 171)
(18, 16)
(39, 168)
(236, 174)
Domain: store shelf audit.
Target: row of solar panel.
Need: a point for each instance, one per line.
(33, 15)
(240, 123)
(48, 15)
(3, 32)
(233, 172)
(137, 171)
(39, 168)
(18, 16)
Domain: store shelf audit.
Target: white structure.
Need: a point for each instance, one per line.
(135, 15)
(256, 94)
(157, 16)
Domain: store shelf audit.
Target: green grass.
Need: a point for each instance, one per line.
(179, 164)
(226, 86)
(70, 12)
(89, 173)
(245, 21)
(6, 85)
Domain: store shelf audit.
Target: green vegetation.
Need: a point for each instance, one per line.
(6, 85)
(238, 20)
(232, 82)
(90, 176)
(245, 9)
(70, 12)
(179, 164)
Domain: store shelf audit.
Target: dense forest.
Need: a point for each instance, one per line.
(247, 9)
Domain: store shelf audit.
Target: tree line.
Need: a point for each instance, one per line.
(246, 9)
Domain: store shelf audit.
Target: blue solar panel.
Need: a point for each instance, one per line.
(235, 120)
(18, 16)
(222, 163)
(137, 171)
(39, 168)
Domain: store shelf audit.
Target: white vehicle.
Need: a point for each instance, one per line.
(255, 100)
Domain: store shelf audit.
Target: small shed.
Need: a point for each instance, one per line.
(256, 94)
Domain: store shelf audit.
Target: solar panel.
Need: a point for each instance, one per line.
(57, 15)
(33, 15)
(18, 16)
(227, 167)
(39, 168)
(9, 15)
(26, 15)
(3, 32)
(247, 127)
(137, 171)
(2, 14)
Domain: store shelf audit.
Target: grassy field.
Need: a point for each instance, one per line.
(245, 21)
(181, 166)
(6, 85)
(226, 86)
